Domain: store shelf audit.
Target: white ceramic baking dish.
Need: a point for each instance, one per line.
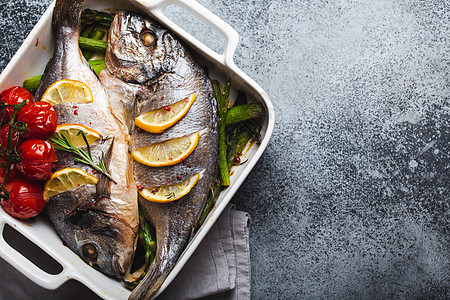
(31, 59)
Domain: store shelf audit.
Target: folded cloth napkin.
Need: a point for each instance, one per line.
(219, 269)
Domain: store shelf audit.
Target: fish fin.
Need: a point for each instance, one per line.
(173, 225)
(151, 282)
(66, 26)
(167, 254)
(104, 181)
(67, 14)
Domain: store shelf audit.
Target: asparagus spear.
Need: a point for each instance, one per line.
(142, 261)
(244, 138)
(212, 198)
(32, 83)
(233, 138)
(97, 65)
(252, 127)
(87, 32)
(222, 99)
(244, 112)
(148, 238)
(91, 44)
(98, 34)
(241, 140)
(89, 16)
(239, 137)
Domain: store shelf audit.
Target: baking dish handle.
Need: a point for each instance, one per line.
(228, 33)
(26, 267)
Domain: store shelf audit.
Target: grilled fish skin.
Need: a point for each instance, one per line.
(99, 223)
(155, 70)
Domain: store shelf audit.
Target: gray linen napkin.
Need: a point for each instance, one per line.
(219, 269)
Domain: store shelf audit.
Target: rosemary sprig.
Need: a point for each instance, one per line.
(85, 157)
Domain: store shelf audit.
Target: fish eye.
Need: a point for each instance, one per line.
(148, 38)
(89, 251)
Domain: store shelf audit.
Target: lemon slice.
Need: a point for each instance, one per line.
(156, 121)
(65, 180)
(67, 90)
(169, 193)
(71, 132)
(168, 152)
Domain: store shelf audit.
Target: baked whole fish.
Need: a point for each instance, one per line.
(149, 68)
(98, 222)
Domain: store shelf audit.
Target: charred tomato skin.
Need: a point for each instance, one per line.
(11, 96)
(26, 199)
(40, 118)
(37, 161)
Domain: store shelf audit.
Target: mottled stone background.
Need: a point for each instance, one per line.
(351, 198)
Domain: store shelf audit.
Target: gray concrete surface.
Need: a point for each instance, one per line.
(351, 199)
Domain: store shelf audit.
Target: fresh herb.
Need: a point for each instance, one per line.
(85, 157)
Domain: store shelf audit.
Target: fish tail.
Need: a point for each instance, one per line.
(153, 280)
(167, 253)
(66, 14)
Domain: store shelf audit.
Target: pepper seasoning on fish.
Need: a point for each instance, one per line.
(148, 68)
(98, 222)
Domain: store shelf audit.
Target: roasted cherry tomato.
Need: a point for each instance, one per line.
(38, 157)
(40, 118)
(26, 198)
(16, 137)
(13, 173)
(14, 95)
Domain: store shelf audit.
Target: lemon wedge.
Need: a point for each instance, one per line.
(169, 193)
(67, 90)
(166, 153)
(156, 121)
(65, 180)
(71, 132)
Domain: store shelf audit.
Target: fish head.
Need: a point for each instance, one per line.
(102, 240)
(139, 49)
(99, 242)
